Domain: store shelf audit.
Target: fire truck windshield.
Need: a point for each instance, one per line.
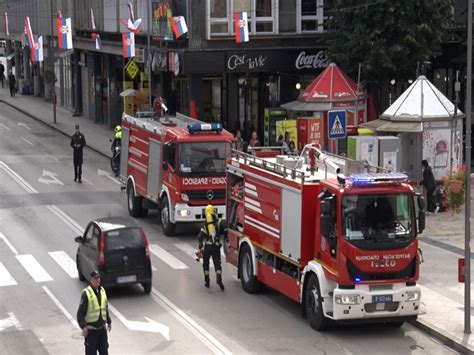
(378, 218)
(202, 158)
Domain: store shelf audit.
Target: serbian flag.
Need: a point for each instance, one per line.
(5, 24)
(178, 25)
(95, 36)
(37, 50)
(241, 27)
(132, 24)
(128, 44)
(30, 41)
(64, 33)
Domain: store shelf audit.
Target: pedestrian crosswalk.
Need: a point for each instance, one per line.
(180, 257)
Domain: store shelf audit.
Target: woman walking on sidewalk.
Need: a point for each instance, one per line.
(12, 83)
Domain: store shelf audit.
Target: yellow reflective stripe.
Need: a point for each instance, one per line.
(93, 308)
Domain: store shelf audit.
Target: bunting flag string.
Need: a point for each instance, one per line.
(94, 35)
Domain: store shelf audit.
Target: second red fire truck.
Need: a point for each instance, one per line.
(344, 247)
(175, 164)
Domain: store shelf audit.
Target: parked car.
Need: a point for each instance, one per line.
(118, 248)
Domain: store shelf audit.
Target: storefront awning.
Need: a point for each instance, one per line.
(307, 106)
(394, 126)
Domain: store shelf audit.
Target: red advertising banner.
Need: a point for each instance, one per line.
(310, 130)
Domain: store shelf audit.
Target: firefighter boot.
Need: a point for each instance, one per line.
(206, 281)
(219, 281)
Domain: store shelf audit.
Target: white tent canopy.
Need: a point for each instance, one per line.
(422, 101)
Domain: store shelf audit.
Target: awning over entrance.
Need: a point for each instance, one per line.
(394, 126)
(307, 106)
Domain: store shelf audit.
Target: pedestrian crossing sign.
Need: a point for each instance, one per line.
(337, 124)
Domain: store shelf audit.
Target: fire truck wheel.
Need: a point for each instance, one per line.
(314, 307)
(249, 281)
(168, 227)
(134, 203)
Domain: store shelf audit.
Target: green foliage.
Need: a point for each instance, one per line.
(49, 76)
(387, 37)
(456, 198)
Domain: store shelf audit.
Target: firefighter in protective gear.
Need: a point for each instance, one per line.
(117, 136)
(209, 239)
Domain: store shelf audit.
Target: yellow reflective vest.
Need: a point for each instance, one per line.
(94, 310)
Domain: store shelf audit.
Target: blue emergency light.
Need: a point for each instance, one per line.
(204, 127)
(366, 178)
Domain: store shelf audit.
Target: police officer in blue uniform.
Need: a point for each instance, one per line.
(78, 142)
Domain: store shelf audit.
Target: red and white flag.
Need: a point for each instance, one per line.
(131, 24)
(95, 36)
(241, 27)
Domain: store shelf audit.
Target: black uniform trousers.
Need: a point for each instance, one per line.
(77, 164)
(214, 251)
(96, 340)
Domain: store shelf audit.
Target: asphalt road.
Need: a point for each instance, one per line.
(42, 210)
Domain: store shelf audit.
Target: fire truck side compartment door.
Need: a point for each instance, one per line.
(153, 181)
(124, 152)
(291, 224)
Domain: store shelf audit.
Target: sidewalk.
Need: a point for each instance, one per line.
(442, 311)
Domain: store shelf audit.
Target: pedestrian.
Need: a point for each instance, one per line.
(281, 143)
(429, 184)
(238, 141)
(209, 239)
(78, 142)
(12, 84)
(93, 317)
(254, 142)
(2, 73)
(291, 150)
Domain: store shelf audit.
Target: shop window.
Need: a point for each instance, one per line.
(218, 8)
(264, 27)
(220, 28)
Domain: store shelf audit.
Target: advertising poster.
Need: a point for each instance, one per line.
(390, 161)
(161, 26)
(309, 131)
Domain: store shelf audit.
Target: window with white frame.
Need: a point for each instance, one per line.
(266, 16)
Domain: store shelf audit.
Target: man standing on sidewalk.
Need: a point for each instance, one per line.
(93, 317)
(78, 142)
(429, 184)
(2, 73)
(12, 84)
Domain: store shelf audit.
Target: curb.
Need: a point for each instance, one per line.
(50, 125)
(441, 336)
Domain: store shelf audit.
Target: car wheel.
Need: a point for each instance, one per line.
(146, 287)
(314, 306)
(249, 281)
(168, 226)
(134, 203)
(79, 272)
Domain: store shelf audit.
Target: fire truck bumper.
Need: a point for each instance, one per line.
(186, 213)
(376, 301)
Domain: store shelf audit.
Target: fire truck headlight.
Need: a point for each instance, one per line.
(185, 197)
(347, 299)
(413, 296)
(184, 213)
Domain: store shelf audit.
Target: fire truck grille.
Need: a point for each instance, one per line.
(205, 195)
(381, 307)
(406, 273)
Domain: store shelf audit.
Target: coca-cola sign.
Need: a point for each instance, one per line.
(312, 61)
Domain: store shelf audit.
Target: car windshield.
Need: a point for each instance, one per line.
(123, 239)
(378, 217)
(203, 158)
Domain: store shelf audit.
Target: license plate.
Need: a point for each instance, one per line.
(382, 298)
(126, 279)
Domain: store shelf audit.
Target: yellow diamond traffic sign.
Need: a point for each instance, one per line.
(132, 69)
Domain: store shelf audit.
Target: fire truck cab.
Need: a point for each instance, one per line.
(344, 247)
(174, 164)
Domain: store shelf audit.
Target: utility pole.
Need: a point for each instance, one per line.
(467, 212)
(150, 12)
(51, 61)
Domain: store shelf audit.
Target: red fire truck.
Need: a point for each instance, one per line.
(174, 164)
(344, 247)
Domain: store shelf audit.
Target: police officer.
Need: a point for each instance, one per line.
(209, 239)
(78, 142)
(93, 316)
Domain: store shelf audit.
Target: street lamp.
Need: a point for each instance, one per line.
(392, 83)
(298, 86)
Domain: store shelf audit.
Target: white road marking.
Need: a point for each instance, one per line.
(108, 175)
(66, 262)
(209, 340)
(18, 178)
(60, 306)
(87, 181)
(27, 141)
(66, 219)
(5, 278)
(7, 242)
(4, 127)
(24, 125)
(169, 259)
(53, 157)
(189, 250)
(33, 267)
(149, 326)
(9, 322)
(52, 179)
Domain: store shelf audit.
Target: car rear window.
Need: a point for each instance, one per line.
(124, 238)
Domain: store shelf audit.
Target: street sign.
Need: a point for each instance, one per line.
(337, 124)
(132, 69)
